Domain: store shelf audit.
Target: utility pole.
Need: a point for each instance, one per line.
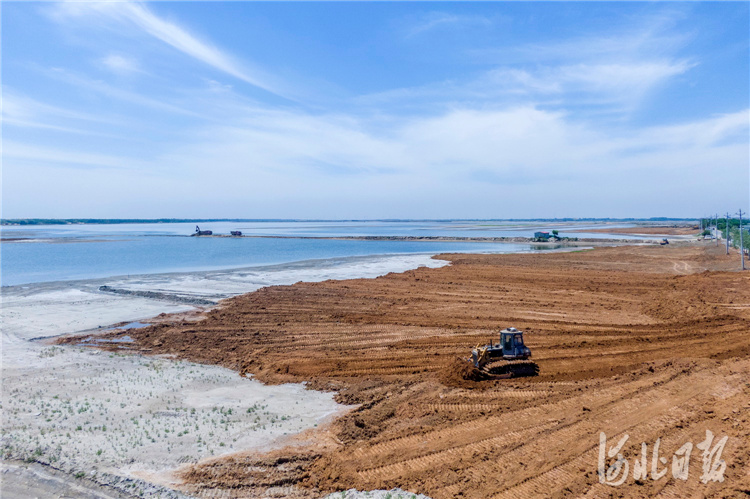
(742, 248)
(727, 228)
(716, 228)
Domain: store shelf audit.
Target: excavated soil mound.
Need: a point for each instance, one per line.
(460, 373)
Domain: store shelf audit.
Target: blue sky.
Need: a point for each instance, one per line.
(375, 110)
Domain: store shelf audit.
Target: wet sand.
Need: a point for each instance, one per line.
(83, 412)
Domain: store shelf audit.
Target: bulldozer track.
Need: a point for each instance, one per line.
(621, 416)
(490, 394)
(570, 472)
(350, 342)
(383, 371)
(475, 426)
(554, 479)
(410, 441)
(432, 459)
(521, 394)
(627, 339)
(465, 407)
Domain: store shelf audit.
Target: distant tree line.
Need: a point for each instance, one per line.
(734, 236)
(734, 230)
(721, 224)
(73, 221)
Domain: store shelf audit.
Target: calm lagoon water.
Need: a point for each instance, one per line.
(69, 252)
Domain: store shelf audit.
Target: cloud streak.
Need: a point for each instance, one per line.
(138, 15)
(35, 155)
(610, 76)
(603, 74)
(438, 20)
(471, 155)
(551, 125)
(615, 88)
(100, 87)
(121, 64)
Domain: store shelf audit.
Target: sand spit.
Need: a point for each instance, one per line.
(648, 341)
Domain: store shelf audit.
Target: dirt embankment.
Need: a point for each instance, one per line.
(649, 341)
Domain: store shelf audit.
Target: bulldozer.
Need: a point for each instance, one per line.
(511, 352)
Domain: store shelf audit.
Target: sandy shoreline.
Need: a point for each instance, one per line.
(99, 415)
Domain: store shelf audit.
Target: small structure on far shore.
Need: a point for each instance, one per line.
(541, 237)
(236, 233)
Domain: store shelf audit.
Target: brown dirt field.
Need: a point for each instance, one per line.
(667, 231)
(650, 341)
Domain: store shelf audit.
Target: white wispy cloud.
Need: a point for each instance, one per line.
(19, 151)
(471, 151)
(435, 20)
(263, 159)
(319, 148)
(616, 87)
(132, 97)
(121, 64)
(512, 128)
(22, 111)
(715, 131)
(650, 36)
(620, 85)
(135, 14)
(22, 107)
(610, 73)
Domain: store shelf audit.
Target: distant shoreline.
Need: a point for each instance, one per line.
(449, 239)
(107, 221)
(577, 241)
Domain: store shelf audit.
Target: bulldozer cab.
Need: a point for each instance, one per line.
(511, 340)
(507, 340)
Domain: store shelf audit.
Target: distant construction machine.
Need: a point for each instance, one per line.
(511, 351)
(199, 232)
